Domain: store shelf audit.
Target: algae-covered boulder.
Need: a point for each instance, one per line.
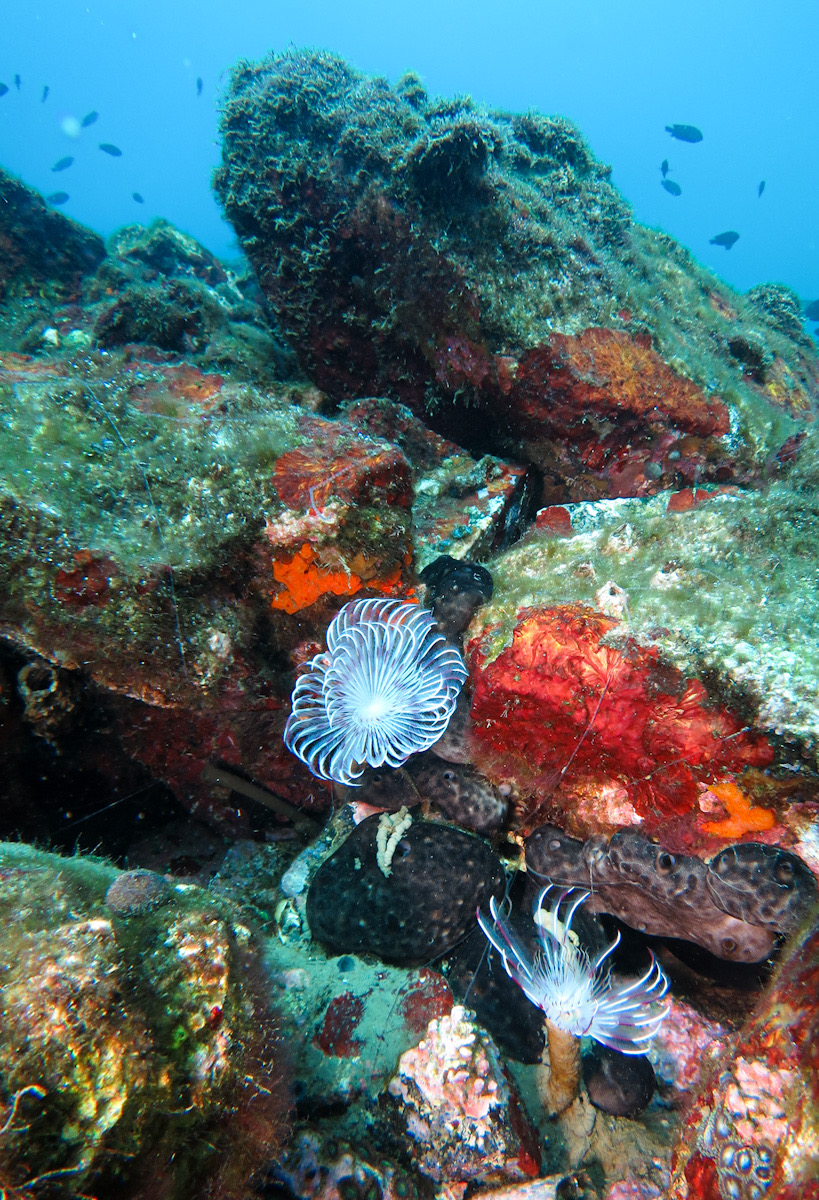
(446, 255)
(161, 528)
(640, 656)
(131, 1030)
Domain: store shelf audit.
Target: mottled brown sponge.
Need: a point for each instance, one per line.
(439, 876)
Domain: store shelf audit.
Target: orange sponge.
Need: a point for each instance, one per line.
(743, 817)
(304, 581)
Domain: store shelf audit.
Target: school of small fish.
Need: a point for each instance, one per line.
(57, 199)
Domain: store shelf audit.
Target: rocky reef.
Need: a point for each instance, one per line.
(452, 370)
(467, 261)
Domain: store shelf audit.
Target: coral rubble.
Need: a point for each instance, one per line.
(751, 1130)
(459, 1109)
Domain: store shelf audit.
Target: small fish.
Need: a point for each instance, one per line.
(726, 239)
(199, 86)
(812, 310)
(108, 148)
(44, 96)
(58, 197)
(139, 199)
(18, 83)
(3, 89)
(63, 164)
(664, 167)
(761, 188)
(89, 119)
(684, 133)
(671, 187)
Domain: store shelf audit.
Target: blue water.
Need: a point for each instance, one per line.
(622, 70)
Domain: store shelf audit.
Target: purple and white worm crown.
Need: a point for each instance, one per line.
(577, 993)
(384, 690)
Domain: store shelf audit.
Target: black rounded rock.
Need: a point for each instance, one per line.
(619, 1084)
(439, 876)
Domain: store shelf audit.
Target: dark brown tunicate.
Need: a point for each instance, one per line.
(457, 744)
(455, 591)
(386, 787)
(619, 1084)
(653, 890)
(762, 884)
(439, 877)
(461, 793)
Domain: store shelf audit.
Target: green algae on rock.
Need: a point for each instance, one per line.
(160, 526)
(126, 1036)
(44, 258)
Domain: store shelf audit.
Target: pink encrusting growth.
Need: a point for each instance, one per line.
(577, 993)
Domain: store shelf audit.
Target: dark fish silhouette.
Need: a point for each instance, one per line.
(671, 187)
(63, 164)
(761, 188)
(684, 133)
(664, 167)
(726, 239)
(199, 86)
(58, 197)
(89, 119)
(44, 96)
(812, 310)
(107, 148)
(139, 199)
(3, 89)
(18, 83)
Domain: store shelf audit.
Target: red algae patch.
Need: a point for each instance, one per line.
(560, 711)
(340, 1022)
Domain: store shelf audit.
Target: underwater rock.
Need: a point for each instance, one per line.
(459, 1108)
(159, 287)
(447, 256)
(135, 893)
(469, 505)
(752, 1129)
(641, 410)
(437, 878)
(44, 257)
(602, 734)
(190, 663)
(342, 482)
(685, 1042)
(125, 1038)
(734, 912)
